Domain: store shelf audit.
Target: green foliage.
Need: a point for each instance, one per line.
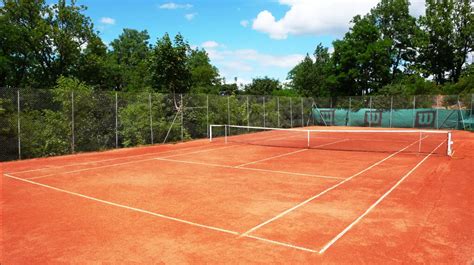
(262, 86)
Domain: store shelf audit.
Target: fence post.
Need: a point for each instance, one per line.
(19, 123)
(437, 112)
(291, 113)
(248, 113)
(207, 116)
(116, 120)
(151, 117)
(264, 113)
(278, 111)
(350, 110)
(182, 118)
(72, 122)
(391, 111)
(370, 111)
(414, 106)
(228, 110)
(302, 112)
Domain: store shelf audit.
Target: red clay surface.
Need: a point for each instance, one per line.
(216, 203)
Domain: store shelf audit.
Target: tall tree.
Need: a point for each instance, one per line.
(313, 78)
(396, 25)
(168, 66)
(362, 60)
(203, 74)
(448, 38)
(131, 52)
(262, 86)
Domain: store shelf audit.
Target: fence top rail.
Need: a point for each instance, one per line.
(334, 131)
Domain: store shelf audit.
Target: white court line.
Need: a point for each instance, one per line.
(124, 206)
(125, 163)
(159, 215)
(323, 192)
(105, 160)
(249, 168)
(287, 154)
(332, 241)
(282, 244)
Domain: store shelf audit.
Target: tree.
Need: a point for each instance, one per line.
(131, 52)
(448, 37)
(262, 86)
(362, 60)
(399, 27)
(168, 66)
(203, 74)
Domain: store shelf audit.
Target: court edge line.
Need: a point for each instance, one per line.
(323, 192)
(290, 153)
(157, 214)
(332, 241)
(104, 160)
(249, 168)
(125, 163)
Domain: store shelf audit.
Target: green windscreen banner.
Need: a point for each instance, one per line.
(396, 118)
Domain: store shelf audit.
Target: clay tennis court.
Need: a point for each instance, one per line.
(234, 202)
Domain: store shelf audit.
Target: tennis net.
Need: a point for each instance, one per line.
(370, 140)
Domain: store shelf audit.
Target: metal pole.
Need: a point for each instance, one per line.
(182, 118)
(116, 120)
(207, 116)
(370, 111)
(350, 110)
(278, 111)
(151, 117)
(228, 110)
(264, 113)
(414, 106)
(419, 143)
(72, 122)
(302, 113)
(248, 112)
(437, 112)
(391, 110)
(291, 114)
(19, 124)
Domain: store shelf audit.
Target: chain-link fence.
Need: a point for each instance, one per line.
(39, 123)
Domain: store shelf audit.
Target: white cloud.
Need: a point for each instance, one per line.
(172, 5)
(244, 23)
(190, 16)
(315, 17)
(209, 44)
(107, 21)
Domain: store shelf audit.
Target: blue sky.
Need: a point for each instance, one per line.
(244, 38)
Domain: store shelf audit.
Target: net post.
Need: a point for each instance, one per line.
(414, 106)
(182, 118)
(291, 113)
(278, 111)
(151, 117)
(225, 134)
(210, 133)
(450, 144)
(18, 122)
(302, 113)
(116, 120)
(264, 113)
(391, 111)
(72, 123)
(207, 116)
